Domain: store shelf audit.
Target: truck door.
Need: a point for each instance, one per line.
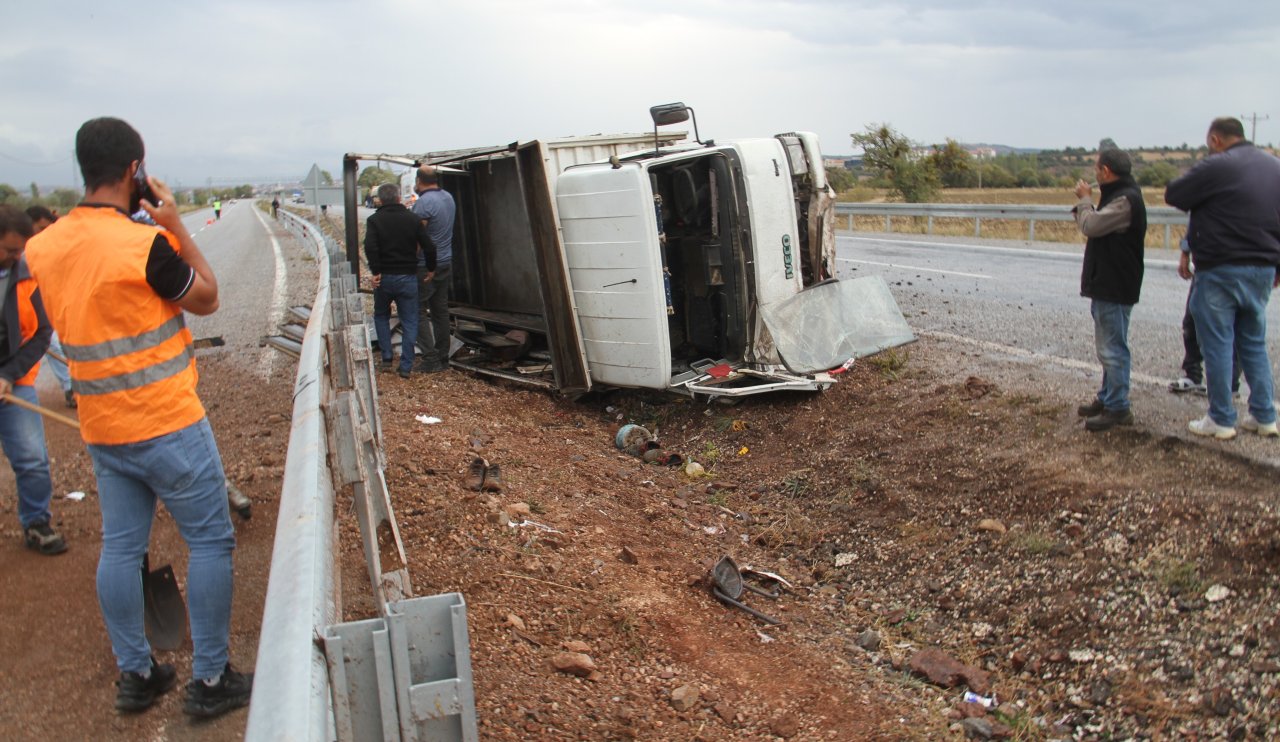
(815, 206)
(564, 335)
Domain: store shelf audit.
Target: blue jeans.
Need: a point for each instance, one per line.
(1111, 339)
(184, 471)
(436, 299)
(22, 437)
(1229, 305)
(403, 290)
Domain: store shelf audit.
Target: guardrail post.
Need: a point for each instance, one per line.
(1031, 230)
(888, 223)
(977, 226)
(1166, 236)
(929, 228)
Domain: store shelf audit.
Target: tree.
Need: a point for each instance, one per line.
(35, 192)
(1157, 174)
(374, 176)
(882, 149)
(952, 162)
(326, 177)
(840, 179)
(7, 192)
(887, 154)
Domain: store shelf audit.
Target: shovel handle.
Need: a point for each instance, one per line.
(37, 408)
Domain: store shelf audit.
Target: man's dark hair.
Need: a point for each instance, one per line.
(41, 213)
(1116, 160)
(1227, 126)
(105, 147)
(427, 175)
(389, 193)
(13, 219)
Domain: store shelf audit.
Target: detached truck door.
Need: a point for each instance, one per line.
(611, 243)
(564, 335)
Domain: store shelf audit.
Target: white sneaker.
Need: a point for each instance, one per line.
(1206, 427)
(1266, 430)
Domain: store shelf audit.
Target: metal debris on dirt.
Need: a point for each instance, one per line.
(727, 584)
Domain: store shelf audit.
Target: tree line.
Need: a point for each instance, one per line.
(62, 200)
(915, 173)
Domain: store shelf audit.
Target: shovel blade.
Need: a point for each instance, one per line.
(166, 611)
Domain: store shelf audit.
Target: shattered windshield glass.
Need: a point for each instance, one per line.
(825, 325)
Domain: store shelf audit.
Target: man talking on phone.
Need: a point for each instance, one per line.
(115, 290)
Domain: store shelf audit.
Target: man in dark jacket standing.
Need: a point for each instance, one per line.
(393, 236)
(1112, 278)
(1234, 199)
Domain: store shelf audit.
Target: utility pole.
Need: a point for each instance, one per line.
(1253, 128)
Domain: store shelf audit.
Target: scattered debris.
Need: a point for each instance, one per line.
(77, 496)
(427, 419)
(1217, 593)
(992, 525)
(727, 586)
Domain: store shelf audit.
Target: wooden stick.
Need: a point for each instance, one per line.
(37, 408)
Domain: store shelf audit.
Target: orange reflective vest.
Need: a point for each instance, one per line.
(129, 351)
(28, 320)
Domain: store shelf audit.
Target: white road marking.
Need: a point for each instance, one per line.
(279, 298)
(913, 268)
(1031, 355)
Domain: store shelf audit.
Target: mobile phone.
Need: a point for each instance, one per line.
(144, 187)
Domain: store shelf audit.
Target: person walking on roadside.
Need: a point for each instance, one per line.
(393, 238)
(24, 337)
(116, 291)
(436, 208)
(42, 217)
(1234, 235)
(1112, 278)
(217, 208)
(275, 208)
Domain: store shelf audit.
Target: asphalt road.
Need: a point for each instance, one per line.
(1017, 305)
(252, 281)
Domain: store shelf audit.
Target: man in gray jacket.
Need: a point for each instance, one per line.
(1234, 199)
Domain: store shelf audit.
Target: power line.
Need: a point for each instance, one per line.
(21, 161)
(1253, 129)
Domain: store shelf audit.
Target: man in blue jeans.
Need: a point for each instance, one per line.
(1235, 246)
(436, 207)
(1112, 278)
(393, 237)
(24, 337)
(115, 290)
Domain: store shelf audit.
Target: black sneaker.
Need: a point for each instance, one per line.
(230, 692)
(1089, 410)
(42, 538)
(1108, 419)
(135, 693)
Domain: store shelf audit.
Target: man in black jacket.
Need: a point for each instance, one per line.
(392, 241)
(1112, 278)
(1234, 199)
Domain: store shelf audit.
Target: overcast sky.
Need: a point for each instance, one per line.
(241, 90)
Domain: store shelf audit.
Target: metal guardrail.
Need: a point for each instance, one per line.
(1156, 216)
(315, 677)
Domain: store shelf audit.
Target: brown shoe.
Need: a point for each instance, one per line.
(474, 478)
(493, 479)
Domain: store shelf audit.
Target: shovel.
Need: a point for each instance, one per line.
(166, 612)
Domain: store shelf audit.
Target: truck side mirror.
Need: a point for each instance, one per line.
(672, 113)
(669, 113)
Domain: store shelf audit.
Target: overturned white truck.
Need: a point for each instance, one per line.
(644, 261)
